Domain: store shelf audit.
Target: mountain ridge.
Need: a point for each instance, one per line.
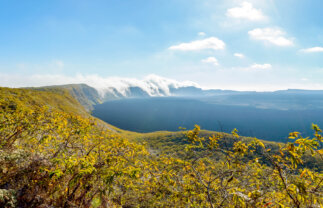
(90, 96)
(87, 96)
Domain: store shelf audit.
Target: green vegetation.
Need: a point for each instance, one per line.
(174, 143)
(53, 154)
(58, 99)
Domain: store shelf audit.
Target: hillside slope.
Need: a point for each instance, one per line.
(58, 99)
(54, 154)
(87, 96)
(49, 145)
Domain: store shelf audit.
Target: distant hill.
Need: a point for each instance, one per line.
(292, 99)
(58, 98)
(87, 96)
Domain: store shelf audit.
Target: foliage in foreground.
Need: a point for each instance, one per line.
(52, 158)
(174, 143)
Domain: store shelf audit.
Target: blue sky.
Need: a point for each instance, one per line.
(227, 44)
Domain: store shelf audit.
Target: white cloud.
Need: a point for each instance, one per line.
(260, 66)
(239, 55)
(312, 50)
(271, 35)
(153, 85)
(197, 45)
(211, 60)
(201, 34)
(246, 11)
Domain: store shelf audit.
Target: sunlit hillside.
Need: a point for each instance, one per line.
(55, 154)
